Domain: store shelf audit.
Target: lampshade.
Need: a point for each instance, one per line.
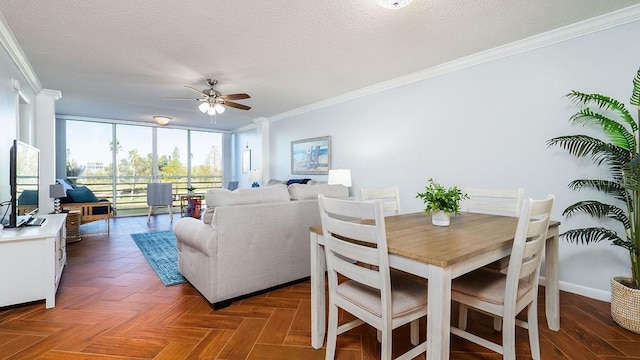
(57, 191)
(162, 120)
(394, 4)
(340, 176)
(219, 108)
(204, 107)
(255, 176)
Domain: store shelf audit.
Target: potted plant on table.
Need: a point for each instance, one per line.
(441, 202)
(619, 149)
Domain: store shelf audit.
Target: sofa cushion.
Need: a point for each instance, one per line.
(82, 194)
(245, 196)
(30, 197)
(276, 182)
(308, 192)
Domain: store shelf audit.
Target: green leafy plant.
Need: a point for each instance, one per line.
(619, 151)
(438, 198)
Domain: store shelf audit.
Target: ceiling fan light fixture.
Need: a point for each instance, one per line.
(219, 108)
(162, 120)
(394, 4)
(204, 107)
(211, 111)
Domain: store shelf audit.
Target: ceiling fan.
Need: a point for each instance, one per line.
(212, 100)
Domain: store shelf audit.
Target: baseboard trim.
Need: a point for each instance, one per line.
(582, 290)
(224, 303)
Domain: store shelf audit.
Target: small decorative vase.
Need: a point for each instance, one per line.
(625, 303)
(440, 218)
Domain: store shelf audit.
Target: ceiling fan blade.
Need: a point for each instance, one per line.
(196, 90)
(236, 105)
(236, 96)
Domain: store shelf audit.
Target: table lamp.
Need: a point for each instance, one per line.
(254, 177)
(57, 191)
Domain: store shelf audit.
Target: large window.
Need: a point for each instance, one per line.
(134, 158)
(206, 160)
(89, 159)
(181, 157)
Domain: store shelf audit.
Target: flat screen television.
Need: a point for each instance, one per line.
(24, 172)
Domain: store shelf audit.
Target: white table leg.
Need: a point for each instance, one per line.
(552, 279)
(318, 268)
(439, 313)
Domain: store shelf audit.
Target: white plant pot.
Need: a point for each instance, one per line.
(440, 218)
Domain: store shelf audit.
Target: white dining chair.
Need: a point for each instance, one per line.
(159, 194)
(389, 196)
(506, 295)
(371, 293)
(496, 201)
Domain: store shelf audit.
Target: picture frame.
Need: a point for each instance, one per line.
(311, 156)
(246, 161)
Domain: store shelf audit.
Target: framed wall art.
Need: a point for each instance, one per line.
(311, 156)
(246, 161)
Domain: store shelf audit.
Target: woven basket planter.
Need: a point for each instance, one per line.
(625, 305)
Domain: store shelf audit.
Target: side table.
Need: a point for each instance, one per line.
(191, 205)
(72, 226)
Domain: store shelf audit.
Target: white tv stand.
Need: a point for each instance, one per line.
(31, 261)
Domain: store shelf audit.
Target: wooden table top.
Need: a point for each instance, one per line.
(469, 235)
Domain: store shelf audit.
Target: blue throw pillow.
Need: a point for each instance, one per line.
(297, 181)
(82, 194)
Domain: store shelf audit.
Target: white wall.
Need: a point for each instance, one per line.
(485, 125)
(9, 73)
(247, 139)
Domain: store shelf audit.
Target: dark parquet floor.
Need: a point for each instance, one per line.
(111, 305)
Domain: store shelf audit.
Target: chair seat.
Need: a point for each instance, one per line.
(501, 265)
(487, 285)
(407, 295)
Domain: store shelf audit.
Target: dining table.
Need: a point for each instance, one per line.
(440, 254)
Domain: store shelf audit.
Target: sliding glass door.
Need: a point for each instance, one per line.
(134, 156)
(141, 154)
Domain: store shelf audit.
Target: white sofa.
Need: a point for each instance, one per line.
(250, 240)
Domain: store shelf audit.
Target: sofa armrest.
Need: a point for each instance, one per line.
(195, 234)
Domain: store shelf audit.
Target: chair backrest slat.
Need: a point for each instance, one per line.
(528, 244)
(352, 230)
(354, 271)
(494, 201)
(367, 255)
(390, 198)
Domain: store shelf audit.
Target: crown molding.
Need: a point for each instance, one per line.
(13, 48)
(253, 125)
(579, 29)
(55, 94)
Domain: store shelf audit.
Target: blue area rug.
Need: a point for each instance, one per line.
(159, 248)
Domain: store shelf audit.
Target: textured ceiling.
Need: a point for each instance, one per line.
(116, 59)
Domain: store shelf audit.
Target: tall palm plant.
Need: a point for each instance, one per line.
(620, 152)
